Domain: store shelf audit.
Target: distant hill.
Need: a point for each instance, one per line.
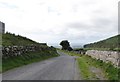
(9, 39)
(111, 43)
(77, 46)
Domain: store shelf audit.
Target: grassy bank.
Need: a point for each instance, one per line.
(109, 43)
(9, 39)
(25, 59)
(85, 62)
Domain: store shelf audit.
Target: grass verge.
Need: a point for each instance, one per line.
(84, 69)
(85, 62)
(25, 59)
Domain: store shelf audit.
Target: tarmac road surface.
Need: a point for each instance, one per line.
(57, 68)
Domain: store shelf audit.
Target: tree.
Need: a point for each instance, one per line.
(65, 45)
(69, 48)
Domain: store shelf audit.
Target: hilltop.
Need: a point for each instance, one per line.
(111, 43)
(9, 39)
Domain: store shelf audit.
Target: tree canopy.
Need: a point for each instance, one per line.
(65, 45)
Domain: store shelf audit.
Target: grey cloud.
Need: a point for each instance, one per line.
(52, 9)
(98, 29)
(77, 25)
(96, 24)
(41, 3)
(106, 25)
(7, 5)
(104, 22)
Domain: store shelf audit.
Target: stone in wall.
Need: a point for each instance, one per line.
(105, 56)
(12, 51)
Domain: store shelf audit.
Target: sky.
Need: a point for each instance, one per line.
(51, 21)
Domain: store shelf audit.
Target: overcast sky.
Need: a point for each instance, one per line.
(79, 21)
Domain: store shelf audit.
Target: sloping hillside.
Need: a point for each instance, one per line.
(111, 43)
(18, 50)
(10, 39)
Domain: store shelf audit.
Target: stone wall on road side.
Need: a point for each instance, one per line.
(106, 56)
(20, 50)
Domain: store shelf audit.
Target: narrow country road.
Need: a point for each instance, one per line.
(58, 68)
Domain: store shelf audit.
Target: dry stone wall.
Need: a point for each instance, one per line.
(11, 51)
(105, 56)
